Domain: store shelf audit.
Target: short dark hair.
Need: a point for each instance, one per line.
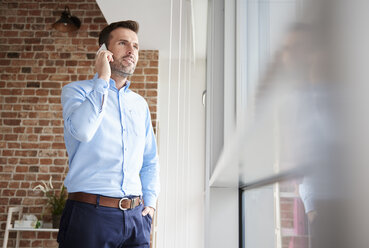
(104, 36)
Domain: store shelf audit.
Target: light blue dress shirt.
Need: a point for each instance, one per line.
(110, 141)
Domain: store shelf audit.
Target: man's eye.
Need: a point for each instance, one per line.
(122, 43)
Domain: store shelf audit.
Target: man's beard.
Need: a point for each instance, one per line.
(119, 69)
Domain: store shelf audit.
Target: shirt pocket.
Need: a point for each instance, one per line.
(137, 123)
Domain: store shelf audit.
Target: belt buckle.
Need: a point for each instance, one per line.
(120, 204)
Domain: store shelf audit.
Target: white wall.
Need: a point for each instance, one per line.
(177, 28)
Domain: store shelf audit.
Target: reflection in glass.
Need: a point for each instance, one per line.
(277, 216)
(310, 119)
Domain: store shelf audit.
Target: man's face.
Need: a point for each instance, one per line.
(296, 49)
(124, 46)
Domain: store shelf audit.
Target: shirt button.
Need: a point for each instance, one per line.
(125, 149)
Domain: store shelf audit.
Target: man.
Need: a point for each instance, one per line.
(113, 178)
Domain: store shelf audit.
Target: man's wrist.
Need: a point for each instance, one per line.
(106, 78)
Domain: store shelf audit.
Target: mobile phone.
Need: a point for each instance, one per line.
(102, 48)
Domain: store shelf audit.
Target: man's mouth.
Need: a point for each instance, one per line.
(129, 59)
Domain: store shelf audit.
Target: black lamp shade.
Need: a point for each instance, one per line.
(67, 22)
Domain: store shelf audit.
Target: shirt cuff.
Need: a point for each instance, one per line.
(149, 201)
(101, 85)
(307, 197)
(309, 205)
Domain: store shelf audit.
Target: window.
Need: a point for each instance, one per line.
(273, 214)
(269, 156)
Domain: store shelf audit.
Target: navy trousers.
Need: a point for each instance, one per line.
(91, 226)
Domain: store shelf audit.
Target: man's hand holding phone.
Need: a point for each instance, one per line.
(102, 66)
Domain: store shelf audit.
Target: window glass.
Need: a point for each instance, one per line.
(276, 216)
(285, 124)
(261, 26)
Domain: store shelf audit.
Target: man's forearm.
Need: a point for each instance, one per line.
(83, 114)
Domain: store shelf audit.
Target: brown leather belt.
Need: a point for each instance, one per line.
(123, 203)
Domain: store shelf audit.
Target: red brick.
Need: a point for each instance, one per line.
(43, 122)
(50, 243)
(44, 145)
(41, 201)
(21, 193)
(58, 146)
(142, 63)
(29, 161)
(41, 77)
(14, 185)
(29, 122)
(49, 70)
(59, 138)
(4, 184)
(12, 122)
(45, 161)
(28, 235)
(152, 108)
(44, 177)
(154, 63)
(36, 243)
(42, 92)
(11, 137)
(32, 40)
(10, 33)
(41, 108)
(46, 138)
(52, 84)
(151, 86)
(25, 185)
(30, 177)
(57, 130)
(18, 176)
(15, 201)
(138, 78)
(43, 235)
(22, 168)
(60, 161)
(26, 153)
(19, 129)
(8, 153)
(151, 71)
(8, 192)
(29, 202)
(56, 169)
(35, 209)
(29, 92)
(152, 78)
(151, 93)
(54, 100)
(8, 168)
(29, 99)
(56, 123)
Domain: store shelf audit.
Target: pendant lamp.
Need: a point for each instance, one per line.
(67, 22)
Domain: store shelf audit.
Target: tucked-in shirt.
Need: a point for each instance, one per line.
(110, 141)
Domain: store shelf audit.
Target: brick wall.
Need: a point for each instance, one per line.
(35, 62)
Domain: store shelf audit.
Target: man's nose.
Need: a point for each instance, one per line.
(130, 49)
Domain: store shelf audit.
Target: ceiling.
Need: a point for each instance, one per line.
(154, 17)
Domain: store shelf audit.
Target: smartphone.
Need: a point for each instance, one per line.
(102, 48)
